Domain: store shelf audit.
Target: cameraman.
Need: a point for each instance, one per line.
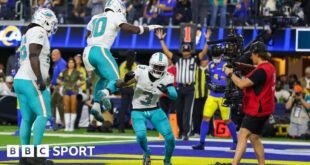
(258, 101)
(299, 115)
(215, 99)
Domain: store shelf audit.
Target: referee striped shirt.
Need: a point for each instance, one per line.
(186, 69)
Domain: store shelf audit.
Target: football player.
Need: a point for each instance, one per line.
(151, 81)
(102, 31)
(29, 82)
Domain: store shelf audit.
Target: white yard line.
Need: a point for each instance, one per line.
(154, 138)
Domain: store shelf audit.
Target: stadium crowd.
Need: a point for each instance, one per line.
(173, 12)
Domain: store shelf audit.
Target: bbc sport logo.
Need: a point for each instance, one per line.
(14, 151)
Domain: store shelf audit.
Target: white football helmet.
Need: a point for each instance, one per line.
(116, 6)
(47, 19)
(158, 64)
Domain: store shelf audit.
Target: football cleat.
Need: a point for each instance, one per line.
(146, 160)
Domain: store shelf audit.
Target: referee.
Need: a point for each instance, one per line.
(185, 79)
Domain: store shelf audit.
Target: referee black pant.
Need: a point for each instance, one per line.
(184, 108)
(127, 96)
(198, 114)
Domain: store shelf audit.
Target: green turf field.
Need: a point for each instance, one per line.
(78, 137)
(81, 137)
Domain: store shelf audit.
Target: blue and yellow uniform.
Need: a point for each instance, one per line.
(216, 99)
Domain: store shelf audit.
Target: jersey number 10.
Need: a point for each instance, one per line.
(99, 25)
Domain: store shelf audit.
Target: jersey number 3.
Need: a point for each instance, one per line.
(99, 26)
(148, 98)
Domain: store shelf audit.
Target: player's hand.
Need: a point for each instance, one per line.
(153, 27)
(162, 88)
(208, 34)
(41, 84)
(130, 75)
(120, 83)
(160, 34)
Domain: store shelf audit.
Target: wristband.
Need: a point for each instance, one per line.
(161, 39)
(141, 30)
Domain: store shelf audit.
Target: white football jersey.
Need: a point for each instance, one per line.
(146, 92)
(104, 28)
(35, 35)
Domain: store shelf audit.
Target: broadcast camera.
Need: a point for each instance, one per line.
(231, 48)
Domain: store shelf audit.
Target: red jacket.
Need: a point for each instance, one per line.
(265, 99)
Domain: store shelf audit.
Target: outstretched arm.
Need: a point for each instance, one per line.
(138, 29)
(240, 83)
(128, 80)
(161, 36)
(205, 48)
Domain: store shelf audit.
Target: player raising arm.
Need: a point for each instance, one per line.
(152, 81)
(102, 31)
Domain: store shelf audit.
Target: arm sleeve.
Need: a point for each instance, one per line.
(172, 93)
(258, 77)
(37, 36)
(119, 19)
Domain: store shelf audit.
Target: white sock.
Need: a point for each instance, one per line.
(67, 121)
(96, 107)
(72, 121)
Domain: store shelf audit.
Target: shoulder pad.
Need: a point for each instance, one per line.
(141, 66)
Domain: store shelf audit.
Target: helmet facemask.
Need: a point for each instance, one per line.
(157, 70)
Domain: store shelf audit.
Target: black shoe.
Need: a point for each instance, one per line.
(218, 163)
(121, 131)
(192, 134)
(180, 135)
(105, 129)
(146, 160)
(91, 128)
(39, 161)
(200, 146)
(167, 163)
(185, 138)
(23, 161)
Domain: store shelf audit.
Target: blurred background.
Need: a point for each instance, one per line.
(282, 24)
